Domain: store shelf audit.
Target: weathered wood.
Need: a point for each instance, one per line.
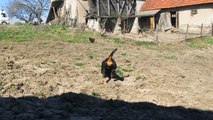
(115, 7)
(92, 6)
(131, 8)
(212, 29)
(152, 23)
(201, 31)
(55, 14)
(109, 8)
(187, 30)
(122, 7)
(118, 4)
(105, 8)
(111, 3)
(98, 7)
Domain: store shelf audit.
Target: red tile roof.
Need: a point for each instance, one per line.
(159, 4)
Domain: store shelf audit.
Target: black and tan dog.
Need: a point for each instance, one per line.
(109, 66)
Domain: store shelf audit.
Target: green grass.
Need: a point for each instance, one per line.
(52, 62)
(182, 76)
(79, 63)
(24, 32)
(148, 45)
(40, 94)
(21, 33)
(98, 65)
(143, 43)
(119, 71)
(171, 57)
(11, 85)
(91, 55)
(198, 43)
(117, 40)
(1, 85)
(95, 94)
(81, 36)
(138, 77)
(209, 40)
(124, 54)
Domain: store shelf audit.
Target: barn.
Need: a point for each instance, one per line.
(108, 15)
(112, 15)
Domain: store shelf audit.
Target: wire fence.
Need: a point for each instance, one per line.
(175, 35)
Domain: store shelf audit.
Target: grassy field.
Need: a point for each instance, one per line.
(21, 33)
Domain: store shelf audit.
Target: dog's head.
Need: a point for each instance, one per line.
(109, 61)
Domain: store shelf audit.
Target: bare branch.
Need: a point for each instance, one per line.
(28, 10)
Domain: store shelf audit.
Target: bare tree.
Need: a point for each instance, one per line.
(28, 10)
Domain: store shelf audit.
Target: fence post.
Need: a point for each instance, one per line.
(187, 29)
(201, 31)
(212, 29)
(157, 37)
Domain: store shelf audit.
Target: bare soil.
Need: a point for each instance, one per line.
(62, 80)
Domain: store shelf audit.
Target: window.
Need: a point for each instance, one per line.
(3, 15)
(193, 11)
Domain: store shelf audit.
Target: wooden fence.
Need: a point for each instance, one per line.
(178, 35)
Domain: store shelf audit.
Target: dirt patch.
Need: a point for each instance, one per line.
(160, 77)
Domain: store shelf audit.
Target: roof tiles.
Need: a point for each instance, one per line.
(159, 4)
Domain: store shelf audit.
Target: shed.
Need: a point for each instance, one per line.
(179, 13)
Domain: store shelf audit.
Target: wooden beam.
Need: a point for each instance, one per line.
(118, 6)
(54, 11)
(113, 6)
(152, 23)
(98, 7)
(130, 10)
(103, 7)
(121, 10)
(127, 6)
(109, 8)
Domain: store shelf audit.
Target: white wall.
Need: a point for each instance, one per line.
(138, 5)
(81, 10)
(204, 16)
(94, 24)
(70, 5)
(77, 10)
(135, 26)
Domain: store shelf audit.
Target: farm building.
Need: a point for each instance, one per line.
(169, 14)
(68, 12)
(108, 15)
(114, 15)
(129, 16)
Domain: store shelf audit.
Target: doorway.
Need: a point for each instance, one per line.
(174, 19)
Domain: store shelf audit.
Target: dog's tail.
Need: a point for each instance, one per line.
(109, 61)
(113, 52)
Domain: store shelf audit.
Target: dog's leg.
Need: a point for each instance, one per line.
(112, 73)
(108, 80)
(110, 76)
(117, 77)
